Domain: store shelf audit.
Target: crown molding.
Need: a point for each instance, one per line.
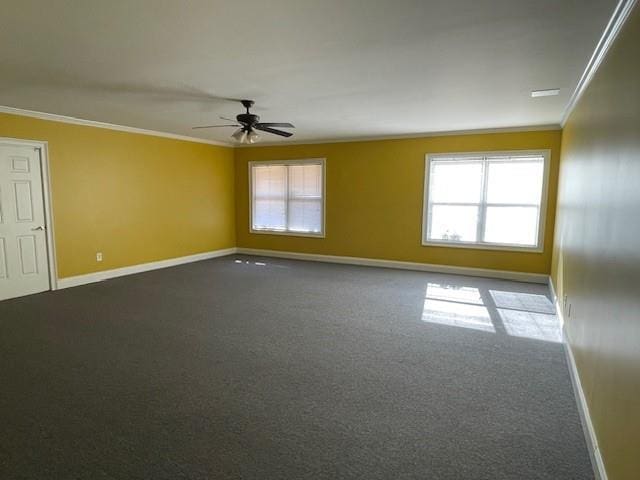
(108, 126)
(142, 131)
(611, 31)
(620, 15)
(408, 136)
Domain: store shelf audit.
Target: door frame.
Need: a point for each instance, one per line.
(43, 149)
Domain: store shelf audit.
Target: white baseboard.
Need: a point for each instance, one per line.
(554, 300)
(143, 267)
(371, 262)
(581, 399)
(423, 267)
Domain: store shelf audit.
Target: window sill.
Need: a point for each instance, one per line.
(288, 233)
(482, 246)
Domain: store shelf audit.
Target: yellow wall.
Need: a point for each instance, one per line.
(597, 249)
(136, 198)
(374, 194)
(140, 198)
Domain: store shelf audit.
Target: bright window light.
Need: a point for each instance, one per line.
(456, 314)
(537, 326)
(518, 314)
(527, 315)
(456, 307)
(454, 293)
(529, 302)
(489, 200)
(287, 197)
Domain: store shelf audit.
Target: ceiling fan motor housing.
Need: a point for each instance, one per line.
(248, 119)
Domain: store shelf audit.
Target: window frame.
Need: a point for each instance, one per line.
(482, 205)
(290, 233)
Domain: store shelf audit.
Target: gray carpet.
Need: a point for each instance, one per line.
(276, 369)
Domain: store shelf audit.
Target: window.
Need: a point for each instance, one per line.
(287, 197)
(490, 200)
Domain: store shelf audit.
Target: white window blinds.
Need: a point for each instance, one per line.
(270, 197)
(288, 197)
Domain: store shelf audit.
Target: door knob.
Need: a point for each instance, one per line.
(37, 228)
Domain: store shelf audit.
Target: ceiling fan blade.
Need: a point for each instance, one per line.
(214, 126)
(260, 126)
(228, 119)
(280, 125)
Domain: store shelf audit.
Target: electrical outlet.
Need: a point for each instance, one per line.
(99, 257)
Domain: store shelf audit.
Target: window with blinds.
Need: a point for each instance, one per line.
(486, 200)
(287, 197)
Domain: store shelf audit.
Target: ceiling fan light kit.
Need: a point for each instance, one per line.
(239, 135)
(248, 123)
(252, 137)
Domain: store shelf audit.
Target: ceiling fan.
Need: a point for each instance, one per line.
(248, 123)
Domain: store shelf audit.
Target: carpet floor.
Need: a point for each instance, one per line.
(252, 368)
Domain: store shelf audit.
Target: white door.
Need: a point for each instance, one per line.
(23, 241)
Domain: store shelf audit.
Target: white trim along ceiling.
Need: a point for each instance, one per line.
(379, 70)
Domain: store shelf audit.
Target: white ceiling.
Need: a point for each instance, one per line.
(335, 68)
